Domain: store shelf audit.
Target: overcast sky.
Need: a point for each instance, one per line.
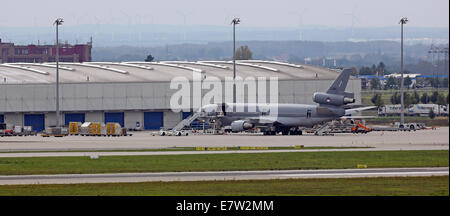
(253, 13)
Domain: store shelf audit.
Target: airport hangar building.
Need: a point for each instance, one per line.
(137, 93)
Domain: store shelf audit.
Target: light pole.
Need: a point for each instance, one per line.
(234, 22)
(402, 107)
(57, 22)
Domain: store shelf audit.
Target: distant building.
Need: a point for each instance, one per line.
(365, 79)
(11, 53)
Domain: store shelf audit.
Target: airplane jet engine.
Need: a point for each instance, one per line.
(332, 99)
(240, 125)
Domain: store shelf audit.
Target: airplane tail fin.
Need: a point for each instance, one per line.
(339, 85)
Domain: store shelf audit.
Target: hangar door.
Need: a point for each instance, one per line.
(186, 114)
(37, 121)
(73, 117)
(116, 117)
(153, 120)
(2, 119)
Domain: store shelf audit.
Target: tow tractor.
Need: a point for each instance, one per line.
(359, 128)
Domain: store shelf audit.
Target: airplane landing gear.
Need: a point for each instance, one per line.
(272, 133)
(296, 132)
(284, 131)
(291, 131)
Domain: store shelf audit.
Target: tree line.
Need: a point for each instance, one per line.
(412, 98)
(395, 83)
(242, 53)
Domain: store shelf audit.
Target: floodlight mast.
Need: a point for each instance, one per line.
(234, 22)
(57, 22)
(403, 21)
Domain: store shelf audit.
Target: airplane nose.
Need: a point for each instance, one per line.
(210, 108)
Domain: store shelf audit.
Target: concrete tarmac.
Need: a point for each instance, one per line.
(415, 140)
(211, 176)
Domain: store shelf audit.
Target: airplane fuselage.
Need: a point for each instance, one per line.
(286, 115)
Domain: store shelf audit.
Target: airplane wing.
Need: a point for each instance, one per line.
(358, 110)
(357, 117)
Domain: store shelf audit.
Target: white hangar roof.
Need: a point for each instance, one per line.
(110, 72)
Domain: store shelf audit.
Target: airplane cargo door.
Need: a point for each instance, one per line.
(153, 120)
(116, 117)
(73, 117)
(37, 121)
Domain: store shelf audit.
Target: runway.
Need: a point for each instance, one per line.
(211, 176)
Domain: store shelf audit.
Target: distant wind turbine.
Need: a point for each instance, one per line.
(300, 22)
(354, 20)
(185, 15)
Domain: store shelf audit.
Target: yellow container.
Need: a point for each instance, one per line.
(110, 129)
(113, 129)
(74, 127)
(96, 128)
(91, 128)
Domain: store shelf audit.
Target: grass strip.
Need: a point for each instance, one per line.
(398, 186)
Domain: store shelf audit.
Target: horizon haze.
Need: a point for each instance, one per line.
(253, 13)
